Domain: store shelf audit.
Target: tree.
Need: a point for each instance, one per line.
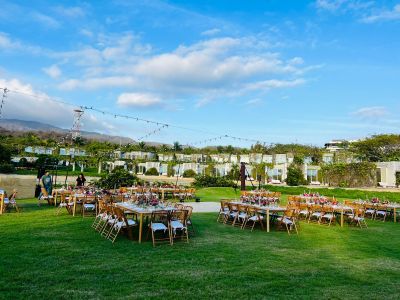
(117, 178)
(177, 147)
(142, 145)
(295, 176)
(5, 154)
(384, 147)
(152, 172)
(189, 173)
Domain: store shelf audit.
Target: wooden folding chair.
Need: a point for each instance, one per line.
(288, 221)
(381, 213)
(159, 225)
(89, 205)
(328, 215)
(223, 211)
(121, 222)
(304, 211)
(315, 213)
(253, 217)
(370, 210)
(178, 225)
(232, 214)
(189, 222)
(241, 216)
(357, 218)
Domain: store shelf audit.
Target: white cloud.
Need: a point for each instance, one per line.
(371, 112)
(53, 71)
(211, 32)
(331, 5)
(20, 104)
(10, 44)
(343, 6)
(207, 70)
(138, 100)
(254, 102)
(5, 42)
(70, 12)
(98, 83)
(86, 32)
(26, 103)
(274, 84)
(384, 15)
(45, 20)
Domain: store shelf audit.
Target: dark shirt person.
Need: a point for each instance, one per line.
(80, 181)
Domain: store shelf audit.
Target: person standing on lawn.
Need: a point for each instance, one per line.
(80, 181)
(46, 183)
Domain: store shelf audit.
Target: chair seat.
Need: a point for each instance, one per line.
(233, 214)
(370, 211)
(381, 212)
(285, 220)
(177, 225)
(111, 220)
(316, 214)
(242, 216)
(328, 216)
(89, 206)
(158, 226)
(303, 212)
(122, 224)
(103, 216)
(256, 218)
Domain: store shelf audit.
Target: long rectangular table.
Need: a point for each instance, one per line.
(265, 210)
(140, 212)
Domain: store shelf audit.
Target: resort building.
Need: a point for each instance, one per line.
(387, 172)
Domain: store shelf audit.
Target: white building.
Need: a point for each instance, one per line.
(386, 173)
(39, 150)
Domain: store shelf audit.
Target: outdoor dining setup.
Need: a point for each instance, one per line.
(262, 209)
(311, 204)
(121, 210)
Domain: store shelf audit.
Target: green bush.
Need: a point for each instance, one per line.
(189, 173)
(6, 168)
(212, 181)
(170, 169)
(295, 177)
(117, 178)
(397, 179)
(361, 174)
(152, 172)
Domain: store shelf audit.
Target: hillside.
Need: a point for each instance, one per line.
(16, 127)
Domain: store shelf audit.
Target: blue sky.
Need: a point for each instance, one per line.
(275, 71)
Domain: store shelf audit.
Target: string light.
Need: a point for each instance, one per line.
(116, 115)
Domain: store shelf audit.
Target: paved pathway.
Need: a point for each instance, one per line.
(204, 206)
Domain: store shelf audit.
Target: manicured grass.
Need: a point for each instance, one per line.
(48, 256)
(215, 194)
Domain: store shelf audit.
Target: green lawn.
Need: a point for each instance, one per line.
(215, 194)
(48, 256)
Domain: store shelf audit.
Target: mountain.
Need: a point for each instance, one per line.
(15, 125)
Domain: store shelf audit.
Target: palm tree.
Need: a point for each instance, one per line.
(142, 145)
(177, 146)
